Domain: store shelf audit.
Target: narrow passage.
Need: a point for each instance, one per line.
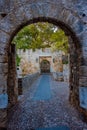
(45, 105)
(43, 91)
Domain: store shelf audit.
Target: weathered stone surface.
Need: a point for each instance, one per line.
(71, 19)
(83, 81)
(3, 58)
(3, 83)
(4, 5)
(10, 22)
(68, 14)
(58, 76)
(27, 82)
(83, 97)
(12, 76)
(3, 101)
(3, 118)
(83, 71)
(34, 113)
(4, 37)
(83, 38)
(3, 86)
(3, 68)
(77, 26)
(74, 75)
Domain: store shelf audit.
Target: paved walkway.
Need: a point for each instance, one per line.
(39, 108)
(43, 91)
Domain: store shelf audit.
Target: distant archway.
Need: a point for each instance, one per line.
(45, 66)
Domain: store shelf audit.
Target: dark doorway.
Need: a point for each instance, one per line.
(45, 66)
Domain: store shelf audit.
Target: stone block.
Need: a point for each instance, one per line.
(65, 14)
(14, 4)
(4, 6)
(25, 82)
(3, 68)
(3, 118)
(83, 60)
(3, 49)
(3, 83)
(83, 81)
(71, 19)
(20, 15)
(77, 27)
(4, 40)
(84, 51)
(83, 71)
(7, 24)
(3, 59)
(3, 86)
(83, 97)
(3, 101)
(4, 37)
(28, 11)
(13, 20)
(83, 38)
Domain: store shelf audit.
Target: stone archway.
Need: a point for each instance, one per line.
(27, 12)
(45, 66)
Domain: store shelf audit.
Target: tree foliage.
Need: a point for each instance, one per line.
(41, 35)
(18, 59)
(60, 41)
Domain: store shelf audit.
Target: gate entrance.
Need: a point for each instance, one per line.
(45, 66)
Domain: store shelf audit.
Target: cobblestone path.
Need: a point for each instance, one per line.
(43, 91)
(50, 111)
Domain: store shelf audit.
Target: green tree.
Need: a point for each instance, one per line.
(41, 35)
(18, 59)
(60, 41)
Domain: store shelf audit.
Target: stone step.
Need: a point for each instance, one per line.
(55, 128)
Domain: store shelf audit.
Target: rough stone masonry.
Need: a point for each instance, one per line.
(69, 15)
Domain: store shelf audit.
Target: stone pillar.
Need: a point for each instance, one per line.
(12, 76)
(83, 75)
(74, 76)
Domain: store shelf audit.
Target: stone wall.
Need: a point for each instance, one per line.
(74, 74)
(66, 73)
(4, 8)
(58, 76)
(25, 82)
(70, 15)
(31, 60)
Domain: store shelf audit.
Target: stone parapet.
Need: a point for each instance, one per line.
(25, 82)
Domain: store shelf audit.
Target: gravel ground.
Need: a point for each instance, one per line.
(31, 114)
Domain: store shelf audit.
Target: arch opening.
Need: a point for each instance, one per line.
(45, 66)
(74, 51)
(21, 20)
